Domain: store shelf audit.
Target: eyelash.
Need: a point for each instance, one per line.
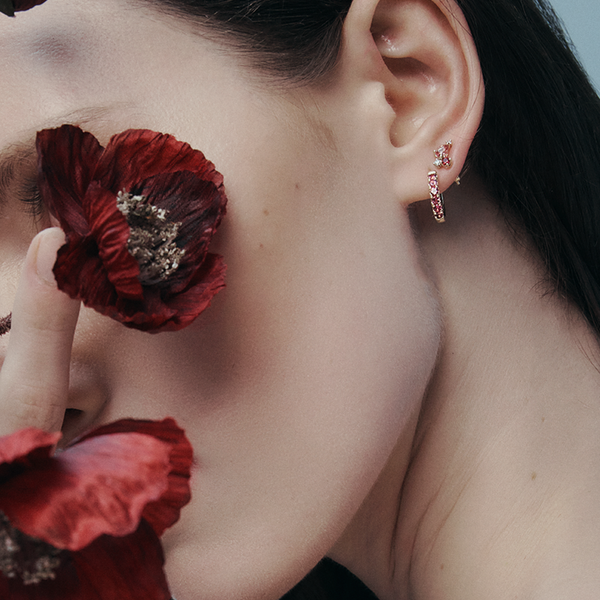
(29, 194)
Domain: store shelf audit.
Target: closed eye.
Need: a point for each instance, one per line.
(28, 192)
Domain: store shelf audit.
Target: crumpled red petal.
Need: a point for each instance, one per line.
(163, 513)
(103, 502)
(22, 449)
(79, 181)
(21, 5)
(9, 7)
(110, 231)
(67, 173)
(102, 484)
(110, 568)
(148, 153)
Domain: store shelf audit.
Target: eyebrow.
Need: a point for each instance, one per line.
(17, 154)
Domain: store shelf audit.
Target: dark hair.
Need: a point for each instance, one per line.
(295, 40)
(538, 147)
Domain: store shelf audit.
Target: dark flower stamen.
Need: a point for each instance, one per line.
(152, 238)
(30, 559)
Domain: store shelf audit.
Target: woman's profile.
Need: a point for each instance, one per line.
(395, 395)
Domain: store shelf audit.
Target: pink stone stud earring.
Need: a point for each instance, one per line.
(442, 156)
(437, 198)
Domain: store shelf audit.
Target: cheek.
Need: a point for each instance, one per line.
(283, 469)
(298, 382)
(319, 352)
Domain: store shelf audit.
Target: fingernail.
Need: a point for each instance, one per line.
(50, 240)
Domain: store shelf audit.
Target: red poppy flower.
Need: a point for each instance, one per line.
(138, 217)
(9, 7)
(84, 523)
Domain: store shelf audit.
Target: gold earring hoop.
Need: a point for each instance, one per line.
(436, 197)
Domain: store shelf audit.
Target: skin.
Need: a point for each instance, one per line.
(306, 372)
(399, 395)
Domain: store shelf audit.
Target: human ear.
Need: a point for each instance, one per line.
(423, 54)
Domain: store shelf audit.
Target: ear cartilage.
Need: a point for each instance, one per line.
(442, 156)
(437, 198)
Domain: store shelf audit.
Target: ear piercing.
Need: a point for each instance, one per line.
(442, 161)
(442, 156)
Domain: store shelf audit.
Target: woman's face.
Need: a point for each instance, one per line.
(297, 383)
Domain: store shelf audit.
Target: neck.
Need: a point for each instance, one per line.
(501, 499)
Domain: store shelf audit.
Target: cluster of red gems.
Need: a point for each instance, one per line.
(437, 200)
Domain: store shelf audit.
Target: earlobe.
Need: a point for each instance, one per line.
(429, 68)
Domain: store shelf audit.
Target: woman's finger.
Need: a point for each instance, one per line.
(34, 380)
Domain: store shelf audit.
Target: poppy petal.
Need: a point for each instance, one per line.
(80, 256)
(188, 304)
(98, 486)
(91, 285)
(164, 512)
(110, 568)
(135, 564)
(138, 154)
(21, 5)
(110, 231)
(67, 158)
(19, 450)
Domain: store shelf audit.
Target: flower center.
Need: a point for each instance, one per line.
(151, 239)
(29, 558)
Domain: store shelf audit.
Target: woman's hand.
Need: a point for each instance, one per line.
(34, 379)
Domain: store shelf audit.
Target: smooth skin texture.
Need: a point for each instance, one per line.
(416, 408)
(308, 370)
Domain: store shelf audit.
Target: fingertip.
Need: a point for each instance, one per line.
(43, 251)
(34, 379)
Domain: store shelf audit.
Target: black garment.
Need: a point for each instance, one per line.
(330, 581)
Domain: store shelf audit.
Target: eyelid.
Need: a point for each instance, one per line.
(28, 192)
(14, 161)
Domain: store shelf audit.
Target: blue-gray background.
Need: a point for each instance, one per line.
(582, 20)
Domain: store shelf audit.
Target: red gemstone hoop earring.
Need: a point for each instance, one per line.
(437, 198)
(442, 161)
